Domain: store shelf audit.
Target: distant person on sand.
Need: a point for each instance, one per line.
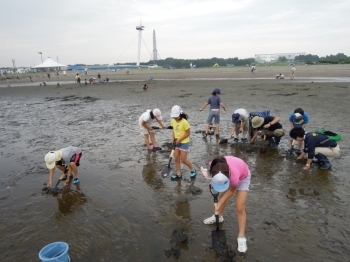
(31, 79)
(48, 75)
(8, 82)
(64, 73)
(99, 77)
(279, 76)
(78, 80)
(253, 69)
(146, 129)
(214, 112)
(292, 72)
(145, 87)
(67, 160)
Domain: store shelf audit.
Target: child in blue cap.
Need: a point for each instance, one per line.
(214, 112)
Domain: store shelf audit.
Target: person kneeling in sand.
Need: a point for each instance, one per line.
(145, 87)
(268, 127)
(67, 160)
(315, 145)
(240, 124)
(230, 175)
(279, 76)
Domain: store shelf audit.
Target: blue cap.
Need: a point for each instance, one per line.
(217, 90)
(235, 118)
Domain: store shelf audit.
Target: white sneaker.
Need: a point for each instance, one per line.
(211, 220)
(242, 244)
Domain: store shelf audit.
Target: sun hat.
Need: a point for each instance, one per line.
(156, 112)
(217, 90)
(52, 157)
(175, 111)
(235, 118)
(220, 182)
(298, 118)
(257, 121)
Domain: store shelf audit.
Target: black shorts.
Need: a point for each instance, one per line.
(75, 159)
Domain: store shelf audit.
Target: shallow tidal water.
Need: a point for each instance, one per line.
(123, 210)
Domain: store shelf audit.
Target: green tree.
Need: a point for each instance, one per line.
(282, 59)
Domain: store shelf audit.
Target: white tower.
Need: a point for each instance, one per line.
(139, 28)
(155, 51)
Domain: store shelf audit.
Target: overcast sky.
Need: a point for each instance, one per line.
(104, 31)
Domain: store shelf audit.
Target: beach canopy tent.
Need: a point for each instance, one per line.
(48, 63)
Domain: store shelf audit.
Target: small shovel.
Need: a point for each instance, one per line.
(167, 169)
(290, 153)
(263, 149)
(218, 236)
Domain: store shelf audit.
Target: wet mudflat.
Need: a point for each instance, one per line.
(124, 210)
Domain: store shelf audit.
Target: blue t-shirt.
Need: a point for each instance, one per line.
(296, 124)
(214, 102)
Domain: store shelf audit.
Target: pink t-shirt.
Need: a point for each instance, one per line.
(238, 168)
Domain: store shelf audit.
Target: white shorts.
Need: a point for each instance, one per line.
(145, 131)
(328, 151)
(244, 184)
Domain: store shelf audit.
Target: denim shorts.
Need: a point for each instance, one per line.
(183, 147)
(244, 184)
(215, 115)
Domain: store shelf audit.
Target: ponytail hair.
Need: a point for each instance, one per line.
(219, 164)
(183, 116)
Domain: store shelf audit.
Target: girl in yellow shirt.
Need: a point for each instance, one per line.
(181, 137)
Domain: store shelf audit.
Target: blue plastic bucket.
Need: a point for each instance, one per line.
(55, 252)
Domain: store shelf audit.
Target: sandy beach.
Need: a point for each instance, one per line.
(124, 211)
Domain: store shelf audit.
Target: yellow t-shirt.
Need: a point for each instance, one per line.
(179, 128)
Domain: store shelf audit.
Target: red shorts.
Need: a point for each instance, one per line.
(75, 159)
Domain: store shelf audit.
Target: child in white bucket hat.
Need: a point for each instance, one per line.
(67, 160)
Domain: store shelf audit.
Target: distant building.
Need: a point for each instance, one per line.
(268, 58)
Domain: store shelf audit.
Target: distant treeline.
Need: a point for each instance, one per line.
(339, 58)
(209, 62)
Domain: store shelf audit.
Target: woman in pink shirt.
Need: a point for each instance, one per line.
(229, 175)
